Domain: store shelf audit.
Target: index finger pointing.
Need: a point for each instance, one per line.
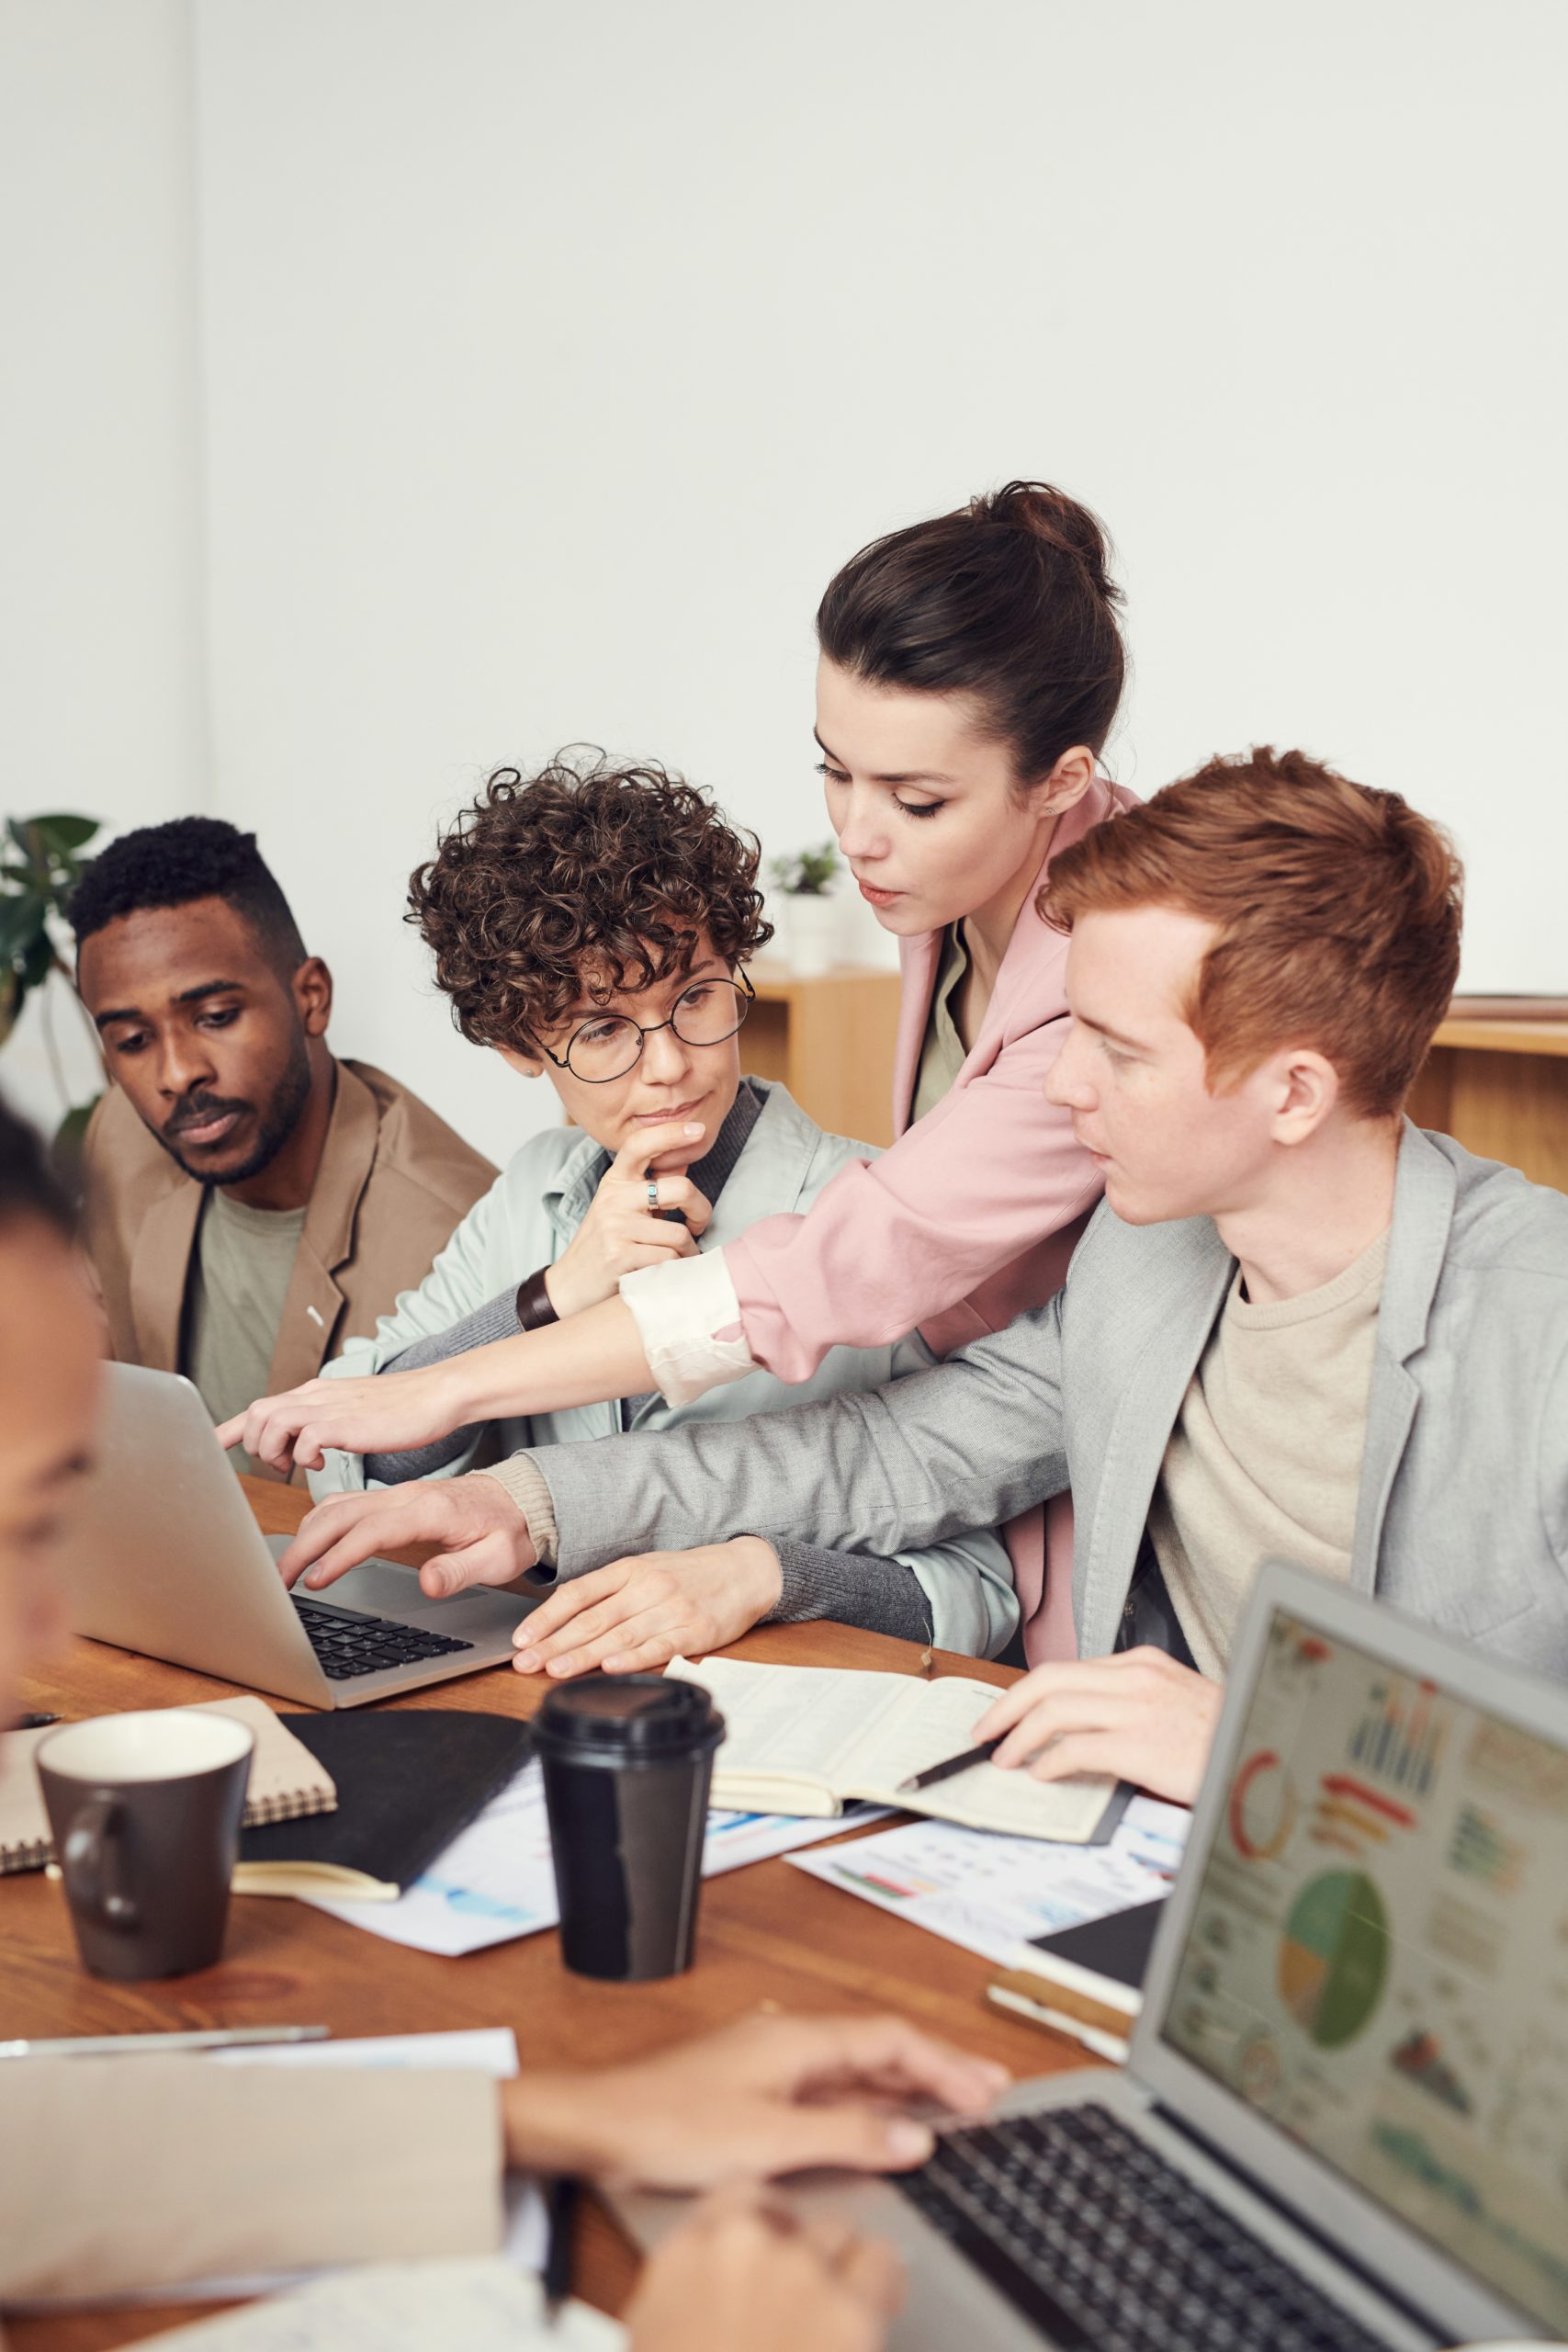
(321, 1527)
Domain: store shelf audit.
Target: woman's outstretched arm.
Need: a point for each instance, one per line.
(585, 1361)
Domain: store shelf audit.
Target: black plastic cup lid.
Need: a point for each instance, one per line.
(642, 1714)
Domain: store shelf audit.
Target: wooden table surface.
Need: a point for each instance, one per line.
(769, 1936)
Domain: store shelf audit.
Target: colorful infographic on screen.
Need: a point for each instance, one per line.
(1379, 1955)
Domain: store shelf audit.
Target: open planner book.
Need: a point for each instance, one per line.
(809, 1740)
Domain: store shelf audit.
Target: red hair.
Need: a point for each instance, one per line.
(1337, 912)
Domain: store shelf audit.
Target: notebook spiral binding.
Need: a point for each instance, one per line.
(292, 1804)
(32, 1854)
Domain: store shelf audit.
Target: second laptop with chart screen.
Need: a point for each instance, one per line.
(1378, 1952)
(1344, 2121)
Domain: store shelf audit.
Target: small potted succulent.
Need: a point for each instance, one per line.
(805, 879)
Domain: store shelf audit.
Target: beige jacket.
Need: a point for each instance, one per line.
(393, 1184)
(120, 2174)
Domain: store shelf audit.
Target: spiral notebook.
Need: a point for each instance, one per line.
(286, 1782)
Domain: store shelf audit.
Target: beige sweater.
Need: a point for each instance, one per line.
(119, 2174)
(1265, 1459)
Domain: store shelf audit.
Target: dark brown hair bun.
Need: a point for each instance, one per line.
(1058, 520)
(1011, 601)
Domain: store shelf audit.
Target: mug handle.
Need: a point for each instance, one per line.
(93, 1864)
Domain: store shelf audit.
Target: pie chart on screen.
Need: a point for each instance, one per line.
(1333, 1956)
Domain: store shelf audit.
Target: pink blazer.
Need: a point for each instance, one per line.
(970, 1217)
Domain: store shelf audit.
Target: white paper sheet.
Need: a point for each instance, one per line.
(496, 1881)
(406, 2307)
(990, 1893)
(478, 2050)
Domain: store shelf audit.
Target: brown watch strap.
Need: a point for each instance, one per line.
(533, 1307)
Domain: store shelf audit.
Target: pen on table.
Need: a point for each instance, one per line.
(35, 1722)
(562, 2210)
(950, 1764)
(105, 2045)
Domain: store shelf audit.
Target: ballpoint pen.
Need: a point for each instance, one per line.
(949, 1766)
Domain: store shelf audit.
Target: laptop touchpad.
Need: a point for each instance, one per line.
(382, 1589)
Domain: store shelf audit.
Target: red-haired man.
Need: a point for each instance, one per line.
(1298, 1324)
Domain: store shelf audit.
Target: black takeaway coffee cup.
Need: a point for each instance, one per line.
(145, 1812)
(627, 1760)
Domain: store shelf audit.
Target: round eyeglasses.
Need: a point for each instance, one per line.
(609, 1045)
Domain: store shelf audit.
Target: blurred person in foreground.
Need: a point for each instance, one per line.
(122, 2174)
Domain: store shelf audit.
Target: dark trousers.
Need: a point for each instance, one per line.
(1147, 1616)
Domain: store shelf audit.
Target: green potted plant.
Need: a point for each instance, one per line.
(806, 878)
(41, 862)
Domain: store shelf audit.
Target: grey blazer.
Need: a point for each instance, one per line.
(1462, 1516)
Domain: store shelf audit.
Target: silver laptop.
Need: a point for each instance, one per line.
(165, 1557)
(1344, 2121)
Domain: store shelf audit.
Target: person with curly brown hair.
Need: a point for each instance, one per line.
(592, 924)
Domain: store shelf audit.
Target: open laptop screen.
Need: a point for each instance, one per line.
(1377, 1957)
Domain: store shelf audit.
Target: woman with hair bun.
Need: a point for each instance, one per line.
(971, 671)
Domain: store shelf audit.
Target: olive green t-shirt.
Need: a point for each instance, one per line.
(240, 1272)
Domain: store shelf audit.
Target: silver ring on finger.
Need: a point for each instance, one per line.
(653, 1193)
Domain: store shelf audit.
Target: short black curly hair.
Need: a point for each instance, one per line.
(584, 879)
(174, 864)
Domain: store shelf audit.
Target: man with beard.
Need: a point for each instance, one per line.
(250, 1202)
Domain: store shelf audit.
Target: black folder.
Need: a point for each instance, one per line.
(407, 1783)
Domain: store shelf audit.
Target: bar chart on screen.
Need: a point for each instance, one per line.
(1401, 1736)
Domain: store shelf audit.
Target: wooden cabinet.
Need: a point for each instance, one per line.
(1500, 1088)
(830, 1041)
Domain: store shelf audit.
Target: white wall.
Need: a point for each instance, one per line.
(102, 660)
(553, 358)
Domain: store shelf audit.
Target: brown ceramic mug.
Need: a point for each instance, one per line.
(146, 1813)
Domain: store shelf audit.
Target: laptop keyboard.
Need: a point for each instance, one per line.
(346, 1646)
(1097, 2239)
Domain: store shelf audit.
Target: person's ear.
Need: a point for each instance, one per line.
(1306, 1087)
(1068, 780)
(312, 987)
(525, 1065)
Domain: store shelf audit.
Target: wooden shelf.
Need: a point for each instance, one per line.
(829, 1040)
(1500, 1088)
(1481, 1036)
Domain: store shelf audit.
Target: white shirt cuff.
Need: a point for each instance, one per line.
(688, 1319)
